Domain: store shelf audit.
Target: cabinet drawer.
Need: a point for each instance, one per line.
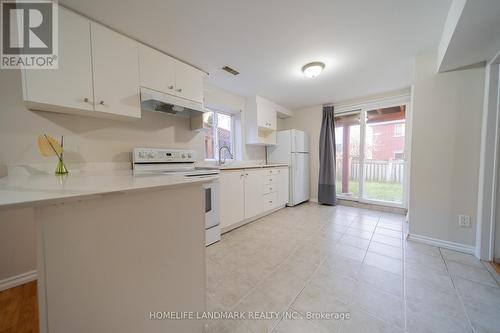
(269, 172)
(270, 179)
(270, 201)
(269, 188)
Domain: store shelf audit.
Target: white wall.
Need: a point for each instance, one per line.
(488, 164)
(17, 243)
(496, 244)
(447, 111)
(86, 140)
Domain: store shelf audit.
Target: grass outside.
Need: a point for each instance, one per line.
(375, 191)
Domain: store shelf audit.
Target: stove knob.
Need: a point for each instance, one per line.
(151, 154)
(142, 154)
(189, 155)
(183, 156)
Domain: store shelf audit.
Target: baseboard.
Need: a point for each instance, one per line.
(313, 199)
(228, 228)
(17, 280)
(442, 243)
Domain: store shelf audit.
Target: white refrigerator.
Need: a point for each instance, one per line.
(292, 148)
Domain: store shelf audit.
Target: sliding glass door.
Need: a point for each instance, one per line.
(370, 152)
(384, 154)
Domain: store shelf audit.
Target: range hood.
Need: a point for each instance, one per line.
(160, 102)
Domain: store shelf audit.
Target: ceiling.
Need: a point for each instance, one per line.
(367, 46)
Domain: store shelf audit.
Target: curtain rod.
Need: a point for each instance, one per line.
(373, 99)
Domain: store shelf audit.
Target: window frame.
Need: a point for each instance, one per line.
(401, 126)
(216, 138)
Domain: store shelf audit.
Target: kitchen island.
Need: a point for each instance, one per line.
(114, 248)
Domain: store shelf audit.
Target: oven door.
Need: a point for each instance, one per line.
(211, 204)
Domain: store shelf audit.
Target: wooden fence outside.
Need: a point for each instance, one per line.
(375, 171)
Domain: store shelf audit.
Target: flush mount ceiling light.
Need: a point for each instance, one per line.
(313, 69)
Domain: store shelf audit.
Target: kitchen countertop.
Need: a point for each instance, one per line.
(45, 189)
(250, 166)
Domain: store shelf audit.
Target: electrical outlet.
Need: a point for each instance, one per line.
(464, 221)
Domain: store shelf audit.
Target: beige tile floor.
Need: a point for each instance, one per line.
(312, 259)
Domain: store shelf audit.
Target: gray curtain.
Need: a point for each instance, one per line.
(326, 184)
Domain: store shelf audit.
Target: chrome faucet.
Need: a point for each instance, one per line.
(221, 162)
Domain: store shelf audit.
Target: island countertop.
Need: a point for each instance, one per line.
(45, 189)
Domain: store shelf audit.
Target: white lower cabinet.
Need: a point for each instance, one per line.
(270, 201)
(249, 193)
(282, 185)
(232, 197)
(253, 192)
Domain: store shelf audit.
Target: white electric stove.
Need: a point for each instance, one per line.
(181, 163)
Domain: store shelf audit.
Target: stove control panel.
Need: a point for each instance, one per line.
(158, 155)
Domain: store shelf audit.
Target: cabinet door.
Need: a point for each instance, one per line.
(283, 182)
(272, 114)
(262, 117)
(188, 82)
(156, 70)
(266, 114)
(69, 86)
(253, 192)
(116, 72)
(232, 197)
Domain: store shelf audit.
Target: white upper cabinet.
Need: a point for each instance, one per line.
(165, 74)
(70, 86)
(101, 71)
(188, 82)
(261, 120)
(266, 114)
(116, 72)
(157, 70)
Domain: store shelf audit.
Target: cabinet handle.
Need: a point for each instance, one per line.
(170, 87)
(101, 102)
(86, 99)
(246, 174)
(270, 201)
(179, 90)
